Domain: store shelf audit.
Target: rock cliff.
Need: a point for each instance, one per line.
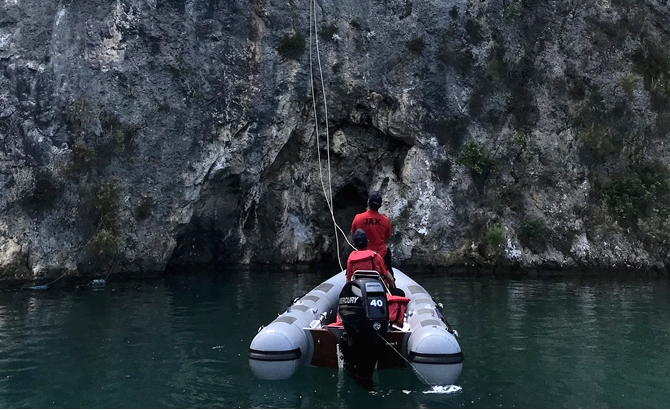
(141, 135)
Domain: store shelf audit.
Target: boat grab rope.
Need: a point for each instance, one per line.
(328, 194)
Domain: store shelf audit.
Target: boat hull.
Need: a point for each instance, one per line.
(301, 336)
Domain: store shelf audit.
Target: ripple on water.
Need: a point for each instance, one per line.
(450, 389)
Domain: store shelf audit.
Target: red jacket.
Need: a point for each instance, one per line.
(377, 227)
(365, 260)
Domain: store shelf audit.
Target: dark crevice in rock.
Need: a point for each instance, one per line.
(212, 235)
(197, 246)
(269, 220)
(350, 200)
(398, 151)
(287, 157)
(450, 132)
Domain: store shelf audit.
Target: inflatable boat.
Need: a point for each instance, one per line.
(359, 326)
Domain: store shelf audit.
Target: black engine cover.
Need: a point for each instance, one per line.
(363, 309)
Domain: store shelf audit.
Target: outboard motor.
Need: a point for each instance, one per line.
(364, 313)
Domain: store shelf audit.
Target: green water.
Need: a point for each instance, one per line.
(182, 342)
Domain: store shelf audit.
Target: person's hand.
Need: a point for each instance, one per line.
(390, 280)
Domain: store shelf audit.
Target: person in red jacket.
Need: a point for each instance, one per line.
(365, 259)
(377, 227)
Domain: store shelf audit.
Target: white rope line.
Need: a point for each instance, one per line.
(418, 373)
(328, 194)
(316, 123)
(325, 107)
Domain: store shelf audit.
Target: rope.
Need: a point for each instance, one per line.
(45, 286)
(100, 283)
(389, 344)
(328, 194)
(54, 281)
(110, 269)
(403, 358)
(41, 287)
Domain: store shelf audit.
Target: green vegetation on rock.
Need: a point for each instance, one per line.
(83, 157)
(512, 12)
(533, 234)
(473, 156)
(79, 114)
(638, 192)
(494, 237)
(105, 198)
(119, 135)
(628, 83)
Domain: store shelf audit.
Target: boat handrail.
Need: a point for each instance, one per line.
(372, 274)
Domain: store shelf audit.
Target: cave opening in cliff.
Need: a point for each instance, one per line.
(196, 247)
(210, 240)
(348, 201)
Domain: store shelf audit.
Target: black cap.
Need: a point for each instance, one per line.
(360, 238)
(375, 198)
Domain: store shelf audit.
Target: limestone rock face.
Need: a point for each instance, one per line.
(12, 260)
(140, 135)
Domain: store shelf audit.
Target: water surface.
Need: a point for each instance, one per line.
(182, 342)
